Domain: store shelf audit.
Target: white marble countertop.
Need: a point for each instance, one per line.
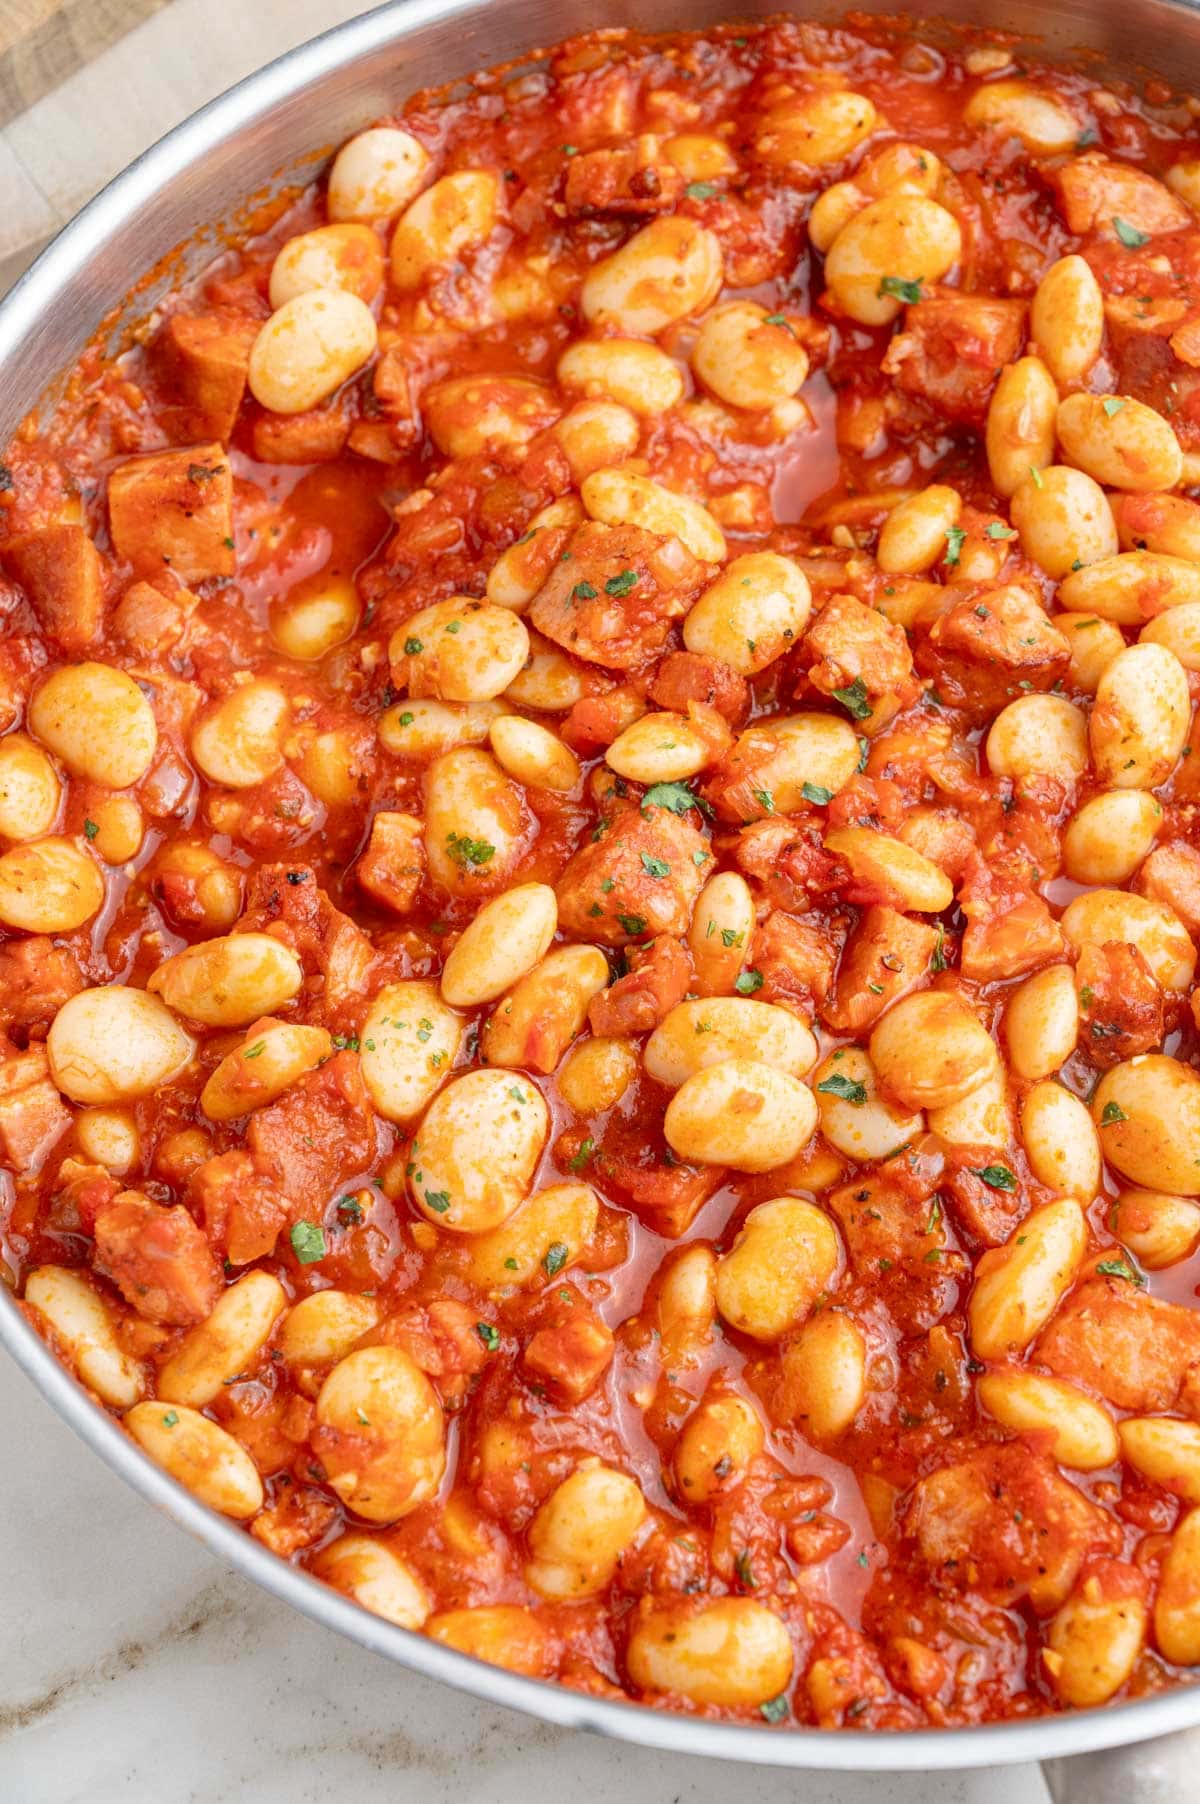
(134, 1669)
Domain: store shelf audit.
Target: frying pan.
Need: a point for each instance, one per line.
(261, 135)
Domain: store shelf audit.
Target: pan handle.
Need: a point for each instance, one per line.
(1163, 1771)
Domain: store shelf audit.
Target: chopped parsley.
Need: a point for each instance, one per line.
(699, 191)
(255, 1051)
(583, 1155)
(308, 1242)
(854, 699)
(1129, 235)
(745, 1571)
(1112, 405)
(901, 289)
(746, 982)
(846, 1087)
(775, 1709)
(765, 800)
(171, 1419)
(488, 1335)
(349, 1208)
(655, 867)
(465, 851)
(998, 530)
(937, 958)
(621, 584)
(90, 829)
(412, 647)
(956, 538)
(632, 924)
(438, 1201)
(584, 592)
(1121, 1268)
(677, 798)
(816, 792)
(1111, 1112)
(555, 1257)
(997, 1177)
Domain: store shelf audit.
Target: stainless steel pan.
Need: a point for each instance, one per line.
(261, 133)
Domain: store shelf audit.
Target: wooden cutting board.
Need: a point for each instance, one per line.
(85, 85)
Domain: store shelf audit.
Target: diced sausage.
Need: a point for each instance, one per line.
(991, 647)
(316, 1136)
(173, 510)
(639, 874)
(658, 977)
(60, 570)
(158, 1258)
(612, 596)
(887, 955)
(392, 867)
(1005, 1521)
(32, 1114)
(1133, 1349)
(952, 350)
(203, 359)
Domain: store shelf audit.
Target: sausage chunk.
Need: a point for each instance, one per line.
(952, 350)
(1004, 1521)
(1133, 1349)
(158, 1258)
(990, 647)
(173, 510)
(614, 592)
(638, 875)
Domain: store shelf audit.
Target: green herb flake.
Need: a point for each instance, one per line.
(308, 1242)
(1036, 476)
(438, 1201)
(775, 1709)
(956, 538)
(255, 1051)
(1113, 405)
(677, 798)
(465, 851)
(349, 1208)
(407, 718)
(816, 792)
(584, 592)
(621, 584)
(745, 1571)
(700, 190)
(854, 699)
(997, 530)
(1121, 1268)
(937, 958)
(655, 867)
(583, 1155)
(412, 647)
(488, 1335)
(901, 289)
(730, 936)
(837, 1084)
(1129, 235)
(90, 829)
(555, 1257)
(632, 924)
(1112, 1112)
(765, 800)
(747, 982)
(997, 1177)
(171, 1419)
